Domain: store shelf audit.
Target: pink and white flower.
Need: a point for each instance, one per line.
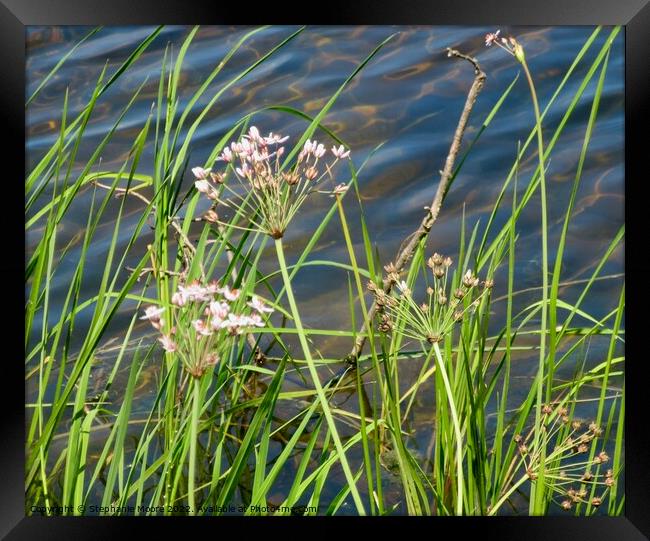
(195, 292)
(274, 139)
(203, 186)
(219, 309)
(254, 135)
(230, 294)
(225, 156)
(491, 38)
(235, 323)
(153, 313)
(319, 151)
(178, 299)
(340, 152)
(255, 320)
(244, 171)
(201, 328)
(167, 343)
(200, 173)
(257, 304)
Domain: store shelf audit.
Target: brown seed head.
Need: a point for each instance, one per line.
(390, 268)
(217, 177)
(597, 431)
(435, 260)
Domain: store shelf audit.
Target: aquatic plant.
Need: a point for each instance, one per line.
(273, 191)
(233, 418)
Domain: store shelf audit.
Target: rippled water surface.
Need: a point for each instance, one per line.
(408, 99)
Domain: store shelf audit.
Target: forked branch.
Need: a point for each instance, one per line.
(432, 212)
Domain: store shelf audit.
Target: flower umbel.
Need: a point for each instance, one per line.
(272, 192)
(203, 319)
(444, 306)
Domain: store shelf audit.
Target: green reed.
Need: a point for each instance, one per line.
(227, 434)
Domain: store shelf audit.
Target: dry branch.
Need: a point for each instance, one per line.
(432, 212)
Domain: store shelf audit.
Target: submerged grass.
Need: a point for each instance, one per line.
(227, 425)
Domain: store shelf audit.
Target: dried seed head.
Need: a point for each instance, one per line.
(390, 268)
(386, 324)
(562, 411)
(609, 473)
(458, 315)
(430, 291)
(488, 284)
(211, 216)
(381, 298)
(393, 277)
(587, 476)
(586, 437)
(311, 173)
(576, 425)
(459, 293)
(531, 474)
(595, 429)
(517, 438)
(260, 358)
(566, 505)
(546, 409)
(609, 482)
(434, 338)
(217, 177)
(596, 501)
(603, 457)
(469, 280)
(372, 286)
(435, 260)
(442, 299)
(424, 307)
(404, 289)
(291, 178)
(583, 448)
(211, 359)
(447, 262)
(438, 272)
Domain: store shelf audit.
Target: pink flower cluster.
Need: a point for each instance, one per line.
(204, 314)
(255, 162)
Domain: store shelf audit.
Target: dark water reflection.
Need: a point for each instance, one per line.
(409, 98)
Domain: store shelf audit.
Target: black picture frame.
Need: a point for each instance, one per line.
(633, 14)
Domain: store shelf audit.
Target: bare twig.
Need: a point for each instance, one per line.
(173, 222)
(432, 211)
